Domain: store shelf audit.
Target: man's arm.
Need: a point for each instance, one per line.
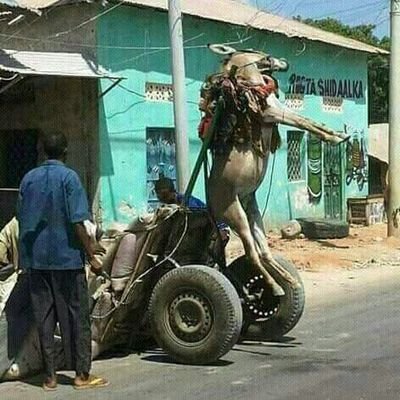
(86, 243)
(77, 213)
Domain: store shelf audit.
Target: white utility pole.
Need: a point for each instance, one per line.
(394, 122)
(179, 90)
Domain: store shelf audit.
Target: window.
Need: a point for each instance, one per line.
(332, 104)
(160, 146)
(160, 92)
(295, 156)
(294, 101)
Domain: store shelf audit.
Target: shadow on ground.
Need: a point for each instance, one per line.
(165, 359)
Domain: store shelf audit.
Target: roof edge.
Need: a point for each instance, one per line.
(258, 22)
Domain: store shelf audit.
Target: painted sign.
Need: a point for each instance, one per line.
(344, 88)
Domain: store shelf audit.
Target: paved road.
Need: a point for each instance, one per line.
(346, 346)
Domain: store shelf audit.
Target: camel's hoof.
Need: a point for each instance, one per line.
(295, 284)
(277, 290)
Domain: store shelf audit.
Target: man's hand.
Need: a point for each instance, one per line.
(98, 249)
(95, 265)
(225, 236)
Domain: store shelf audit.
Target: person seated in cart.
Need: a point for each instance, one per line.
(167, 194)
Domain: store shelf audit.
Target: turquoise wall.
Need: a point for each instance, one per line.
(125, 114)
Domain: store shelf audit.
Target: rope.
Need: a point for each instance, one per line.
(270, 186)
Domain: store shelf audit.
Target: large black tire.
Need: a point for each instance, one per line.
(195, 314)
(314, 228)
(280, 314)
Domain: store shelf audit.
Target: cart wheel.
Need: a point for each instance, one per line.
(267, 316)
(195, 314)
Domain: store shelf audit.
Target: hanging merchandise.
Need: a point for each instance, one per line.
(356, 153)
(349, 157)
(356, 163)
(314, 168)
(362, 176)
(362, 153)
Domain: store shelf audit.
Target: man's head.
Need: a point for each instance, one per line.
(55, 145)
(165, 190)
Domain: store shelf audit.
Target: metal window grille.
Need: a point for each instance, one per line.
(332, 104)
(294, 101)
(294, 153)
(159, 92)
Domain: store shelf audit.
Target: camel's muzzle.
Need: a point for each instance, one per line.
(272, 64)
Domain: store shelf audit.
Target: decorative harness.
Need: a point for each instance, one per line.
(242, 116)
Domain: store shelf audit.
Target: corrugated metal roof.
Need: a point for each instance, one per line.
(50, 63)
(233, 13)
(378, 142)
(29, 4)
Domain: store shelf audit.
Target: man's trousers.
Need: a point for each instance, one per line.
(62, 296)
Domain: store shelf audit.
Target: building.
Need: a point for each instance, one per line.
(378, 153)
(102, 74)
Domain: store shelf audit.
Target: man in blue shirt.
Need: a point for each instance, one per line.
(52, 206)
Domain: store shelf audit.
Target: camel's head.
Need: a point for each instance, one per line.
(256, 68)
(248, 65)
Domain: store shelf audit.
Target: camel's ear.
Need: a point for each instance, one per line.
(279, 64)
(221, 49)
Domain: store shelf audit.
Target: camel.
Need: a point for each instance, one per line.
(239, 168)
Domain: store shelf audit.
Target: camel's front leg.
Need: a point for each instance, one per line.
(276, 112)
(254, 217)
(230, 211)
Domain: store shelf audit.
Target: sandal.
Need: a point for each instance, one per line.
(91, 382)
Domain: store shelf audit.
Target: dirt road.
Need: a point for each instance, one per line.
(345, 347)
(345, 343)
(364, 245)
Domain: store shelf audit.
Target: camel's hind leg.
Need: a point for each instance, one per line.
(231, 211)
(254, 217)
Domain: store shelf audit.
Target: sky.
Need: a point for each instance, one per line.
(350, 12)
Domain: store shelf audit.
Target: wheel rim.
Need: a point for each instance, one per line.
(190, 317)
(259, 300)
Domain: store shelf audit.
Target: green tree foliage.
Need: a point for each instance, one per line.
(378, 65)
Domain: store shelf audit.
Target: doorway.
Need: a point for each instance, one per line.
(18, 155)
(333, 197)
